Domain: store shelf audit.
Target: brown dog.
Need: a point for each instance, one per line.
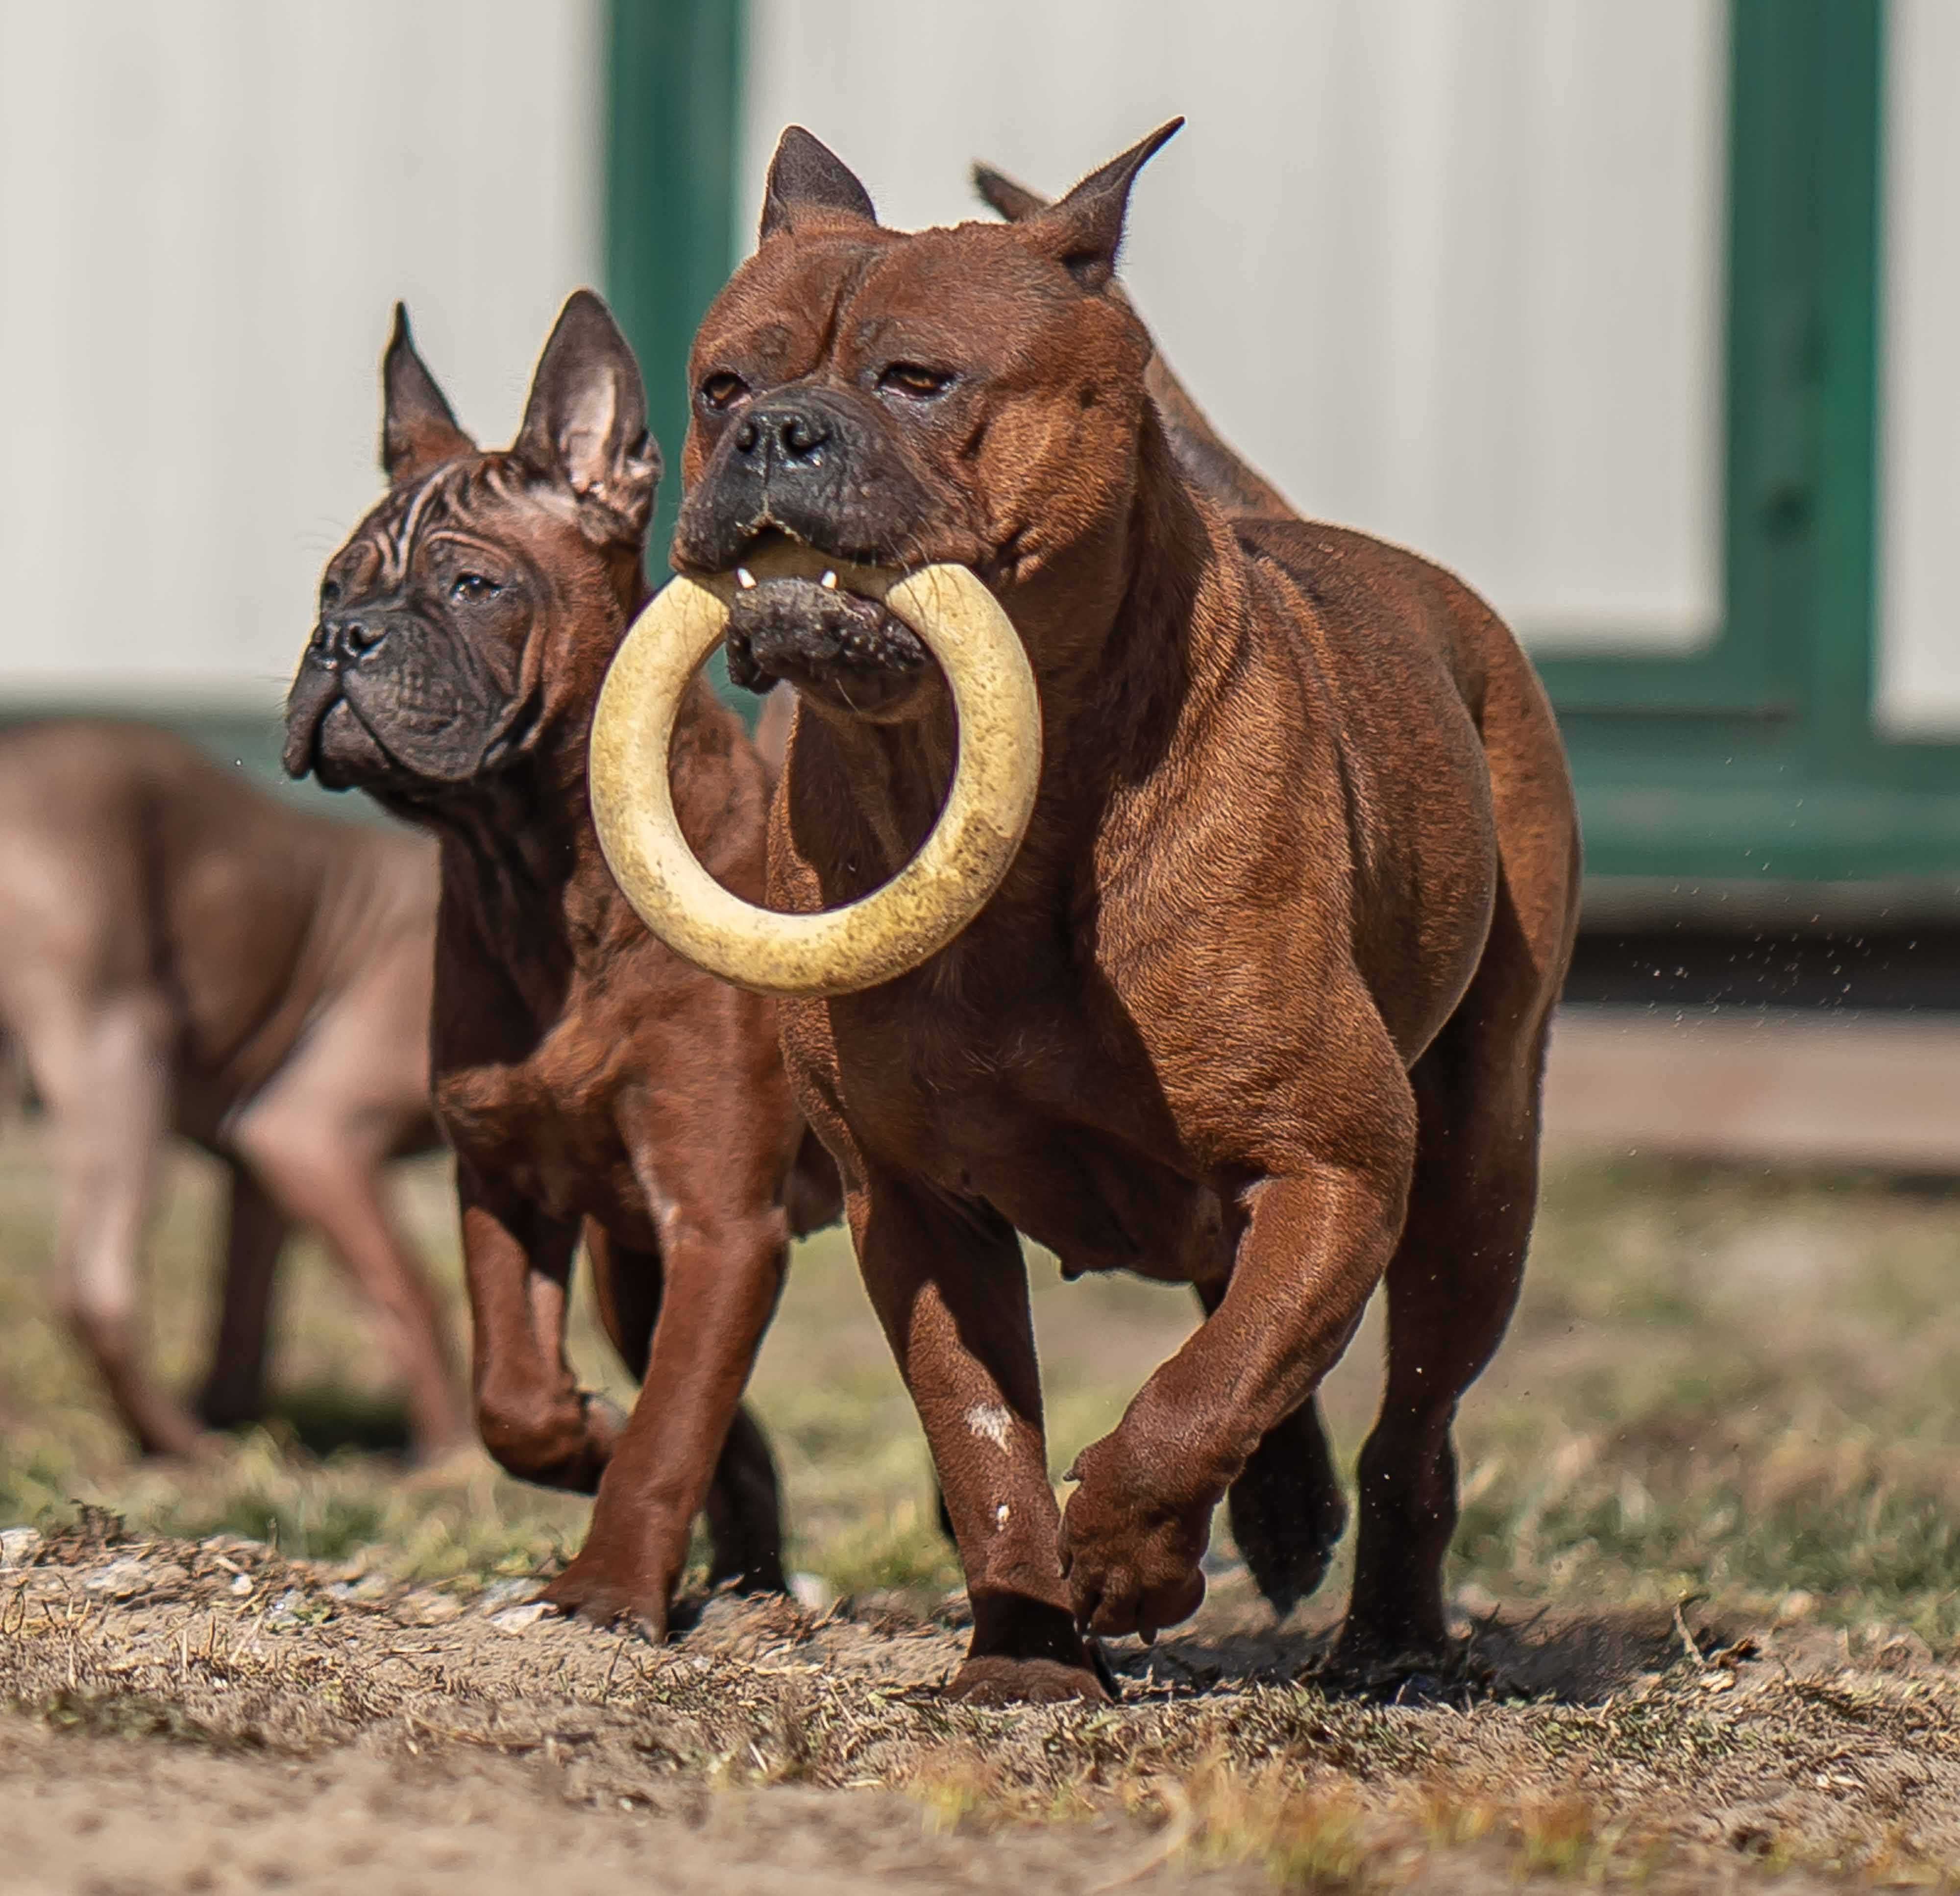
(180, 953)
(1261, 1005)
(583, 1073)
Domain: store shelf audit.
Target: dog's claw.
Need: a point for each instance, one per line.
(745, 579)
(828, 582)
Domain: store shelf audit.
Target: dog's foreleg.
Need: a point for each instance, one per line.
(1318, 1239)
(1287, 1507)
(723, 1265)
(532, 1415)
(743, 1505)
(108, 1088)
(951, 1289)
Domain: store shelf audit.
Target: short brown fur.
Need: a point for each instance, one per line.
(1262, 1004)
(180, 952)
(586, 1076)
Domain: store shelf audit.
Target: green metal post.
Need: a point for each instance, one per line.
(673, 106)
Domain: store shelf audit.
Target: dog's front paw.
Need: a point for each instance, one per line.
(606, 1593)
(1130, 1554)
(993, 1679)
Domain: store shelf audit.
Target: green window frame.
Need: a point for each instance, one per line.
(1753, 761)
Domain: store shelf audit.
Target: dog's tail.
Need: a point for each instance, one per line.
(772, 729)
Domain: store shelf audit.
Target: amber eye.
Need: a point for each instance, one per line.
(330, 594)
(471, 588)
(915, 379)
(722, 390)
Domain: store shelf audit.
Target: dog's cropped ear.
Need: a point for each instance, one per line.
(585, 423)
(1015, 202)
(810, 184)
(1084, 231)
(419, 431)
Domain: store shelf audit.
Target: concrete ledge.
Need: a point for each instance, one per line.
(1877, 1089)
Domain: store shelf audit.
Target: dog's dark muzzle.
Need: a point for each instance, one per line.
(322, 734)
(385, 697)
(809, 462)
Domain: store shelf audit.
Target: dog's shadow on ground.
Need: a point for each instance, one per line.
(1573, 1657)
(323, 1420)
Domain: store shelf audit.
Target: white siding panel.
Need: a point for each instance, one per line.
(1919, 512)
(1448, 270)
(207, 209)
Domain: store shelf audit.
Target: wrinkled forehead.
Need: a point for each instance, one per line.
(479, 498)
(803, 299)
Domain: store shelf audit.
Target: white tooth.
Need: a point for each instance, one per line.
(744, 578)
(828, 582)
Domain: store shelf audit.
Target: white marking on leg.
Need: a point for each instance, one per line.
(990, 1422)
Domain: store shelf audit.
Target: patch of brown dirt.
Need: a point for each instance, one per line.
(323, 1727)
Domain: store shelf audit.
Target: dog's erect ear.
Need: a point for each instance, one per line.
(809, 183)
(417, 431)
(585, 423)
(1015, 202)
(1084, 231)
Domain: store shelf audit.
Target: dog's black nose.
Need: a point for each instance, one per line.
(790, 434)
(349, 635)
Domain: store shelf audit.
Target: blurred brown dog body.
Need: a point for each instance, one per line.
(180, 953)
(1261, 1005)
(584, 1075)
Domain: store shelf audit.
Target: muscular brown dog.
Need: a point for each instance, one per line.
(583, 1073)
(1261, 1005)
(180, 953)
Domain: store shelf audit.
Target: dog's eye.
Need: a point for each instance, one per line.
(914, 379)
(472, 587)
(722, 390)
(330, 594)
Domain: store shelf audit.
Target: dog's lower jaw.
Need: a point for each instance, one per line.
(846, 654)
(325, 739)
(344, 755)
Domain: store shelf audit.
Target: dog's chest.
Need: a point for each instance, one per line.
(1068, 1138)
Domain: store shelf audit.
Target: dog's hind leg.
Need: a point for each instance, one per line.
(1451, 1285)
(1287, 1509)
(318, 1175)
(235, 1390)
(744, 1509)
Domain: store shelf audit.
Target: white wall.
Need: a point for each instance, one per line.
(1448, 269)
(207, 209)
(1919, 459)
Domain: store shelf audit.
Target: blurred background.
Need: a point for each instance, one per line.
(1636, 312)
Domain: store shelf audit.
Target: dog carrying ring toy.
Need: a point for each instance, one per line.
(896, 926)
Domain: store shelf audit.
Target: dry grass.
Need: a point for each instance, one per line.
(1724, 1390)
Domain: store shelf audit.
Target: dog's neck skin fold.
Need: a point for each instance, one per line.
(1117, 686)
(517, 859)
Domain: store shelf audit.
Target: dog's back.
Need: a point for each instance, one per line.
(133, 866)
(179, 950)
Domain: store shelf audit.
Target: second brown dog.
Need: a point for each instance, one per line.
(584, 1075)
